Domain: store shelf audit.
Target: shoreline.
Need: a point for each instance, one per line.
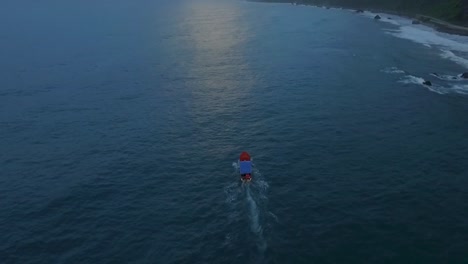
(432, 22)
(443, 26)
(435, 23)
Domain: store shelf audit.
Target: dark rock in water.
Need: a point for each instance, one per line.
(389, 17)
(359, 11)
(377, 17)
(435, 74)
(454, 78)
(416, 22)
(464, 75)
(428, 83)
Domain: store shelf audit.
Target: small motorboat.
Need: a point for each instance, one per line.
(245, 167)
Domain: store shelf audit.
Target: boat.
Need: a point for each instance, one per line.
(245, 167)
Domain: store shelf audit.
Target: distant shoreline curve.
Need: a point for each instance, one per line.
(435, 23)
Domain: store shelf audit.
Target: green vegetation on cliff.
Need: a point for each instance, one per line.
(449, 10)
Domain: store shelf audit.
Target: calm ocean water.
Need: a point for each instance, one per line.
(121, 123)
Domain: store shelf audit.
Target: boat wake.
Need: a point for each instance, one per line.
(254, 217)
(248, 202)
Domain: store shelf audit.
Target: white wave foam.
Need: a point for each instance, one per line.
(393, 70)
(454, 47)
(451, 78)
(410, 79)
(453, 89)
(447, 54)
(367, 14)
(428, 36)
(383, 18)
(438, 89)
(449, 44)
(391, 21)
(460, 89)
(235, 165)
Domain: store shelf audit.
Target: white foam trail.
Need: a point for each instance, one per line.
(232, 192)
(253, 195)
(255, 225)
(228, 239)
(274, 217)
(393, 70)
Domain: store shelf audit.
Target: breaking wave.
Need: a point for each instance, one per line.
(393, 70)
(452, 47)
(436, 88)
(447, 54)
(410, 79)
(460, 89)
(451, 78)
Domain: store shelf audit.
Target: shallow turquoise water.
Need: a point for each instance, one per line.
(121, 123)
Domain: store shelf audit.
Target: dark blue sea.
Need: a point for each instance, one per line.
(121, 123)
